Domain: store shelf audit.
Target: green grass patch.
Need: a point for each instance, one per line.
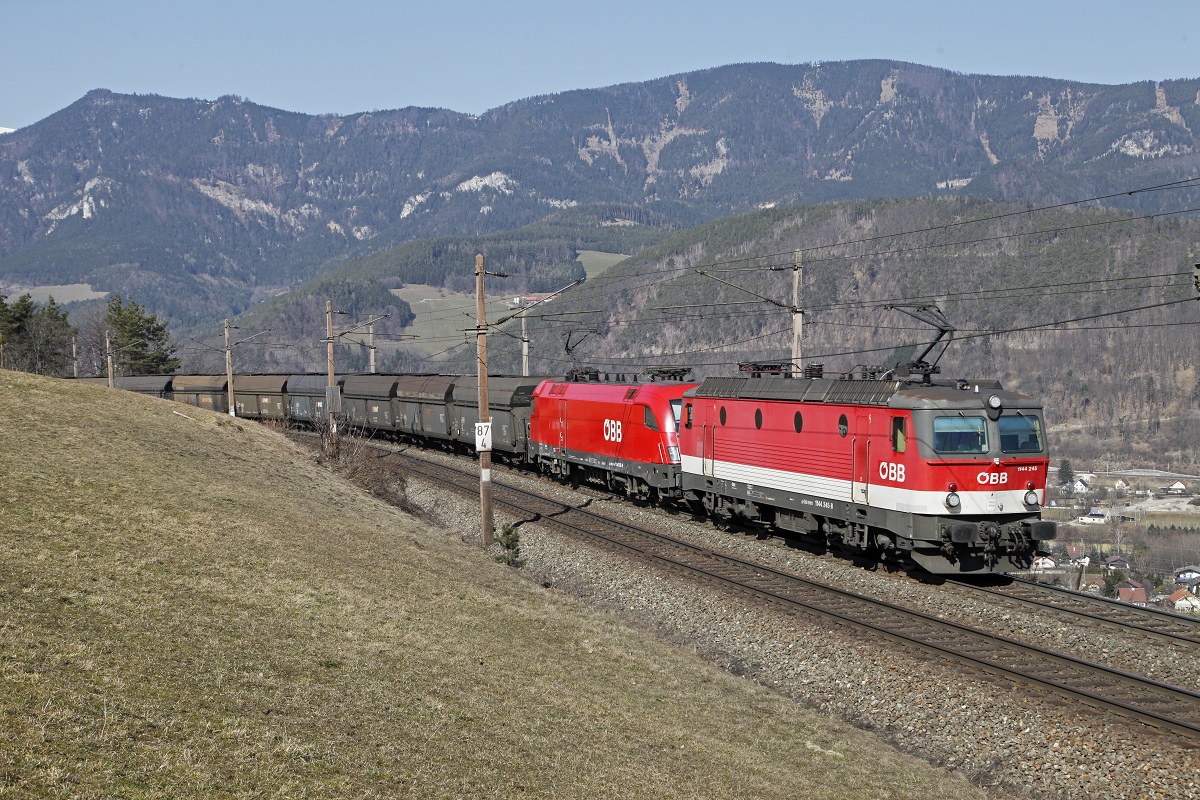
(194, 608)
(443, 316)
(596, 263)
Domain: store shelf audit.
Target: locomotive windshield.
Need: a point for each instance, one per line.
(1020, 434)
(960, 435)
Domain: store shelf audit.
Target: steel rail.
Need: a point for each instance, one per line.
(1132, 696)
(1164, 626)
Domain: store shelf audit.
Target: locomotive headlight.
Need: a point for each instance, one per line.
(993, 402)
(1031, 498)
(952, 500)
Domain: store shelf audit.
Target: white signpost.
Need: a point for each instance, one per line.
(483, 436)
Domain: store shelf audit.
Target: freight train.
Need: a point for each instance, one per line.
(947, 475)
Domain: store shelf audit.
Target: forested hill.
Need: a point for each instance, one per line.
(200, 208)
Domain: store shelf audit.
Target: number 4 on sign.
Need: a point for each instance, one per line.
(483, 436)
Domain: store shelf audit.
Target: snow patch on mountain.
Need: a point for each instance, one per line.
(497, 180)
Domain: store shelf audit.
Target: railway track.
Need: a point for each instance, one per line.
(1154, 703)
(1161, 626)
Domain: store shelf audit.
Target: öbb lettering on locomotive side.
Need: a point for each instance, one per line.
(950, 476)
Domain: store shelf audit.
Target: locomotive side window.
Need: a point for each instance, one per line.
(899, 434)
(960, 435)
(651, 422)
(758, 418)
(1020, 434)
(798, 421)
(722, 415)
(843, 426)
(688, 422)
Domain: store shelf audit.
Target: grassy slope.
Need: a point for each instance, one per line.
(193, 607)
(596, 263)
(443, 317)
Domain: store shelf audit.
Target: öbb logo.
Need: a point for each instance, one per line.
(992, 477)
(612, 430)
(891, 472)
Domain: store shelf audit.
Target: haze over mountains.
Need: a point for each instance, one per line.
(202, 208)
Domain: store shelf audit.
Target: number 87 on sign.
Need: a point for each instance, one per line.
(483, 436)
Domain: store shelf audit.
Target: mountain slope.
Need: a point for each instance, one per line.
(200, 208)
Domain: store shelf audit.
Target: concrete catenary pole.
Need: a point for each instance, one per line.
(332, 385)
(797, 314)
(524, 348)
(229, 371)
(487, 525)
(109, 359)
(371, 347)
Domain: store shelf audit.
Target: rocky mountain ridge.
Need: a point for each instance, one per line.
(202, 208)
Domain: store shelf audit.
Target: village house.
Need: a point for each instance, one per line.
(1134, 595)
(1042, 563)
(1076, 556)
(1178, 487)
(1184, 602)
(1116, 562)
(1189, 573)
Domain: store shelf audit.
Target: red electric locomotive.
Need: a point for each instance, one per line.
(621, 435)
(951, 476)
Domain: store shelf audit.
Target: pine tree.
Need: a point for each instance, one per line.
(1066, 475)
(140, 342)
(34, 339)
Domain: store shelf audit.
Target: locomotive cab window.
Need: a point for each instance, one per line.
(899, 434)
(1020, 434)
(651, 421)
(960, 434)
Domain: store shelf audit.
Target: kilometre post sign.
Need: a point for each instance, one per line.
(483, 436)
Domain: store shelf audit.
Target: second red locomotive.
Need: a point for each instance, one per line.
(621, 435)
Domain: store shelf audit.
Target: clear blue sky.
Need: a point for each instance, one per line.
(469, 55)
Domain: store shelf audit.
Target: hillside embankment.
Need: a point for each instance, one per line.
(193, 607)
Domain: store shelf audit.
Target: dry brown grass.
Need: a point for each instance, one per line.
(192, 607)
